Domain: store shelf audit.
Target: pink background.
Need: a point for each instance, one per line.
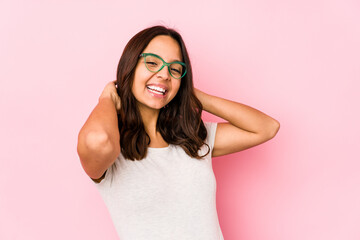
(297, 61)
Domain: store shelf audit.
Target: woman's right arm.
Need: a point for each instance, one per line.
(99, 138)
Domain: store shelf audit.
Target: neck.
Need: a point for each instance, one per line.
(149, 118)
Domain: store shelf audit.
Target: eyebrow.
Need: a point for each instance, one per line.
(176, 60)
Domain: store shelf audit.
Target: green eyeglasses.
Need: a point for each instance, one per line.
(155, 63)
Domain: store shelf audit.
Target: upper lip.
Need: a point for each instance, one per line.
(158, 85)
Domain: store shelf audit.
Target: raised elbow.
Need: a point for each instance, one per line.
(91, 143)
(275, 126)
(97, 141)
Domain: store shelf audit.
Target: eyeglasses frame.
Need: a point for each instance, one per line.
(164, 64)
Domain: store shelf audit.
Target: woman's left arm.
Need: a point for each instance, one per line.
(246, 126)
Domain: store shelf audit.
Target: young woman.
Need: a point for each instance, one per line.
(147, 149)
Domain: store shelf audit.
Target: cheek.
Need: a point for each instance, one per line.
(138, 81)
(136, 87)
(176, 87)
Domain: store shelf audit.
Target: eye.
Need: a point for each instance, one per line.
(152, 63)
(176, 70)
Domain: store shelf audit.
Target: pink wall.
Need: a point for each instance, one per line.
(298, 61)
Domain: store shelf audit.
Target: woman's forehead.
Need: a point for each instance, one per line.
(166, 47)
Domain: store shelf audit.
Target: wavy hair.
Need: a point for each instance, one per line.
(179, 123)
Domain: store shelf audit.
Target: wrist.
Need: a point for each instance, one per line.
(198, 94)
(114, 99)
(202, 98)
(105, 98)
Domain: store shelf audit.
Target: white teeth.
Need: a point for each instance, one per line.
(159, 89)
(156, 92)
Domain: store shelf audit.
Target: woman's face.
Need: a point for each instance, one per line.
(148, 86)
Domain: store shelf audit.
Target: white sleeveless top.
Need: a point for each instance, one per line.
(167, 195)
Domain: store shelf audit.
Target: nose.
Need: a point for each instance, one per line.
(164, 73)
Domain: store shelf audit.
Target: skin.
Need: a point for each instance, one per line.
(98, 139)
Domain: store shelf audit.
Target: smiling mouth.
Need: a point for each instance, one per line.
(156, 90)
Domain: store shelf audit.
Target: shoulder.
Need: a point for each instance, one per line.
(211, 132)
(210, 126)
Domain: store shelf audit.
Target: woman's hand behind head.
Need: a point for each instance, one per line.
(110, 92)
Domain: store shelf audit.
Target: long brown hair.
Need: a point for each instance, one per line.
(179, 123)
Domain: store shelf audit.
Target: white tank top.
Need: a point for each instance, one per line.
(167, 195)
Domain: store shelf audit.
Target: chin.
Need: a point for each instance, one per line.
(155, 106)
